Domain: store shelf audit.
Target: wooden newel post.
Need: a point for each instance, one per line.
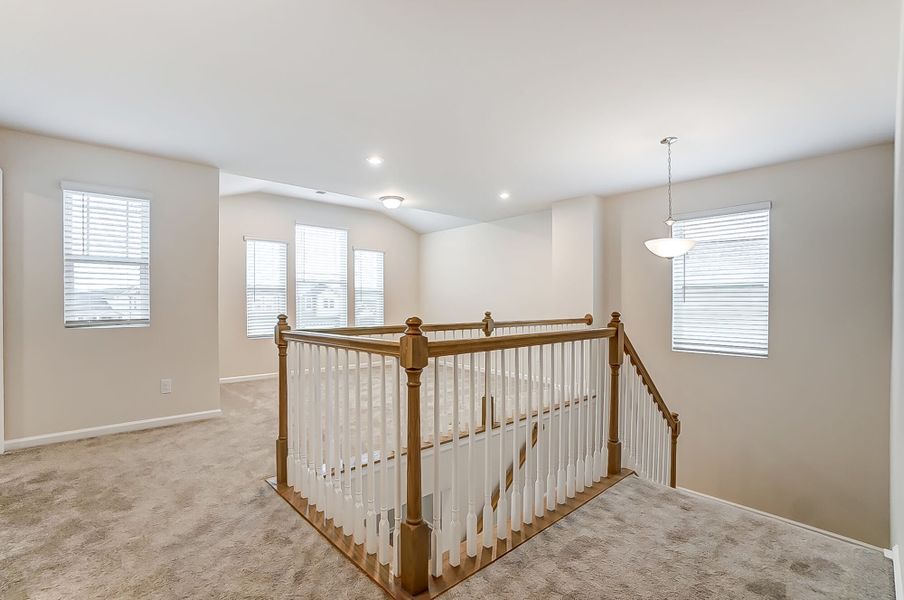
(676, 431)
(489, 325)
(415, 535)
(616, 357)
(282, 442)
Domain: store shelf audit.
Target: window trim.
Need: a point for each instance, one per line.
(719, 212)
(355, 286)
(245, 240)
(117, 193)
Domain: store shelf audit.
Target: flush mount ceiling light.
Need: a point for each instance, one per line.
(375, 160)
(669, 247)
(504, 195)
(391, 201)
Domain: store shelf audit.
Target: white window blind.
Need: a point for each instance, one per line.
(265, 285)
(321, 277)
(368, 288)
(720, 289)
(106, 260)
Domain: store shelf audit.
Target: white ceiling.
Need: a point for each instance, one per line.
(463, 98)
(419, 220)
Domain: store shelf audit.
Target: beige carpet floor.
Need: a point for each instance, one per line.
(184, 512)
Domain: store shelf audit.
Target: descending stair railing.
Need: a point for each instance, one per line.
(425, 451)
(650, 431)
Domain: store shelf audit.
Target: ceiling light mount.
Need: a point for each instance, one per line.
(504, 195)
(391, 202)
(374, 160)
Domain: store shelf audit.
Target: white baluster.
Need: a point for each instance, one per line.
(397, 448)
(291, 414)
(589, 415)
(551, 476)
(336, 472)
(328, 500)
(501, 505)
(454, 535)
(436, 552)
(527, 493)
(347, 500)
(359, 528)
(569, 439)
(300, 394)
(487, 438)
(515, 512)
(371, 541)
(560, 474)
(579, 438)
(310, 483)
(383, 529)
(539, 488)
(321, 497)
(471, 525)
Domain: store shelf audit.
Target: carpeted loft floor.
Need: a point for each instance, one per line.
(183, 512)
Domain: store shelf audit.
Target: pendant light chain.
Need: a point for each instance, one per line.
(670, 179)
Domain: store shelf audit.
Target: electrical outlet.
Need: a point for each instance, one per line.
(166, 386)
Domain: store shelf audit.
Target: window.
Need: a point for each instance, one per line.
(321, 277)
(368, 288)
(265, 285)
(720, 289)
(106, 260)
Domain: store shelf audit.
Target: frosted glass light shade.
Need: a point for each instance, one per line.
(669, 247)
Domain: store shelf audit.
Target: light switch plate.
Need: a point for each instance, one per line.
(166, 386)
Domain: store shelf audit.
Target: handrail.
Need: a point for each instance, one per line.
(521, 340)
(587, 319)
(488, 325)
(648, 381)
(346, 342)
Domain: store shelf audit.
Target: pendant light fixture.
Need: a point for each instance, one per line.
(669, 247)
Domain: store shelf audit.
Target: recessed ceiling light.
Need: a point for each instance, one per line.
(375, 160)
(391, 201)
(504, 195)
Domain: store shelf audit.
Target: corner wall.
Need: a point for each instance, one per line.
(897, 362)
(803, 433)
(60, 379)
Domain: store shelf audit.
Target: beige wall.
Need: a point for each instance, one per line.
(60, 379)
(273, 217)
(545, 264)
(803, 433)
(503, 266)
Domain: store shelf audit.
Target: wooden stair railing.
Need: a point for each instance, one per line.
(670, 417)
(315, 459)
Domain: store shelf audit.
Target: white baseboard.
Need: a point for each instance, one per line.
(763, 513)
(894, 555)
(90, 432)
(240, 378)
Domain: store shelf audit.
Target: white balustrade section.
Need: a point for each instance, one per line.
(507, 437)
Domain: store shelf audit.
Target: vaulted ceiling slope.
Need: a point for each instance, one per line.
(462, 98)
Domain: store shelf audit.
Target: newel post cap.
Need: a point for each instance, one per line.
(413, 353)
(616, 318)
(414, 325)
(489, 325)
(282, 324)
